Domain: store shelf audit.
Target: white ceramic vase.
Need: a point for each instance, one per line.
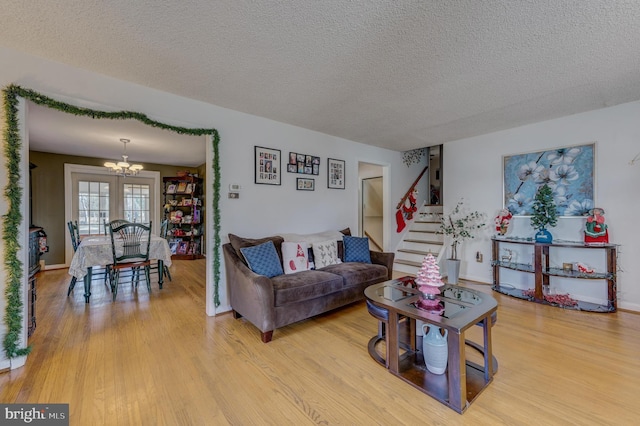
(453, 270)
(435, 349)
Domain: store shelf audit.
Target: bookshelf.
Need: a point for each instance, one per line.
(183, 213)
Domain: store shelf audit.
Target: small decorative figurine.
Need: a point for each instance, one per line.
(428, 280)
(502, 221)
(595, 230)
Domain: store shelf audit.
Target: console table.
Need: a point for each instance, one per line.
(542, 271)
(395, 304)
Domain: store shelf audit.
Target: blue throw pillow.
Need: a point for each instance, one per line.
(356, 249)
(263, 259)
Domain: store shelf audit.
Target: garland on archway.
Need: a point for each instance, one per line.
(11, 223)
(13, 193)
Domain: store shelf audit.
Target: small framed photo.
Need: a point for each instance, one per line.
(292, 168)
(171, 189)
(183, 246)
(306, 184)
(293, 158)
(335, 176)
(267, 166)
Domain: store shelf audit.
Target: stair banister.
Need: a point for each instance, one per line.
(411, 188)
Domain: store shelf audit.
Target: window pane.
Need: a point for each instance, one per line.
(136, 202)
(93, 206)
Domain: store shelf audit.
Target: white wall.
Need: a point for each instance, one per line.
(473, 171)
(262, 209)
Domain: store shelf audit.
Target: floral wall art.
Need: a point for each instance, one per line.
(568, 171)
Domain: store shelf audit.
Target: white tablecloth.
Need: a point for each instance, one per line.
(96, 251)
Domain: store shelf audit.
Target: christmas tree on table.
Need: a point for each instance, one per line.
(428, 280)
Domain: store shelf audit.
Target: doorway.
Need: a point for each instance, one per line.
(94, 195)
(435, 175)
(372, 195)
(372, 211)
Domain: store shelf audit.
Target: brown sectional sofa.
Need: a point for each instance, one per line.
(270, 303)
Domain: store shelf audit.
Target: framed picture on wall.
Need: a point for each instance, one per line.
(569, 171)
(267, 166)
(306, 184)
(335, 175)
(293, 158)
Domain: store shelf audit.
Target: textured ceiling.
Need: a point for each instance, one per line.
(396, 74)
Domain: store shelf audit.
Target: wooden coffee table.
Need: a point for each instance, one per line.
(394, 304)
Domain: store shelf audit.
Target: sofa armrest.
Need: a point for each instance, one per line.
(251, 295)
(384, 259)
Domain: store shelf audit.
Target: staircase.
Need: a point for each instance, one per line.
(419, 240)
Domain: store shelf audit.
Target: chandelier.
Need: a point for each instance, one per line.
(123, 168)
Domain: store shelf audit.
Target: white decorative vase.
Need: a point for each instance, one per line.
(435, 349)
(453, 270)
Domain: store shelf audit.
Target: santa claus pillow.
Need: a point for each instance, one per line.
(294, 257)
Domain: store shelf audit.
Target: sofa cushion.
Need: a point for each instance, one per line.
(239, 242)
(346, 231)
(294, 257)
(263, 259)
(305, 285)
(325, 253)
(357, 273)
(356, 249)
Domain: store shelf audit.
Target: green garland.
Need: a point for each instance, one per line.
(11, 223)
(13, 193)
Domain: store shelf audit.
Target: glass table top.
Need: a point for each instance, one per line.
(452, 302)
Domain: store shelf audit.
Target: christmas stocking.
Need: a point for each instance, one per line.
(400, 221)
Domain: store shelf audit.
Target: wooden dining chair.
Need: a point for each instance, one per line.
(130, 244)
(75, 240)
(164, 227)
(74, 232)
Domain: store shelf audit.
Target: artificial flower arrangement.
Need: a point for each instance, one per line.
(502, 221)
(460, 227)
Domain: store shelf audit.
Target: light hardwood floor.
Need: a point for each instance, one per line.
(159, 360)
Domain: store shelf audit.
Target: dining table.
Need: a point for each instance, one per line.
(95, 251)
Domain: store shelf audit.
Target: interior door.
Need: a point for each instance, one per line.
(372, 211)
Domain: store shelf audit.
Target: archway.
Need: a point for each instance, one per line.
(13, 220)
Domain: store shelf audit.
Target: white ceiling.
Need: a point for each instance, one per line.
(61, 133)
(397, 74)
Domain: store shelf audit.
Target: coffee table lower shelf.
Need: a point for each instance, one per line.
(414, 371)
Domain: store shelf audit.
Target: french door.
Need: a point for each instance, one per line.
(97, 199)
(94, 196)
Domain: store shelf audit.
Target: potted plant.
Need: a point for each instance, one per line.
(544, 214)
(459, 226)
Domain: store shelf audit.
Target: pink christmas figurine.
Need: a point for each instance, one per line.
(428, 280)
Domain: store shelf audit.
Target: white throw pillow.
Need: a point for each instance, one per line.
(294, 257)
(325, 253)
